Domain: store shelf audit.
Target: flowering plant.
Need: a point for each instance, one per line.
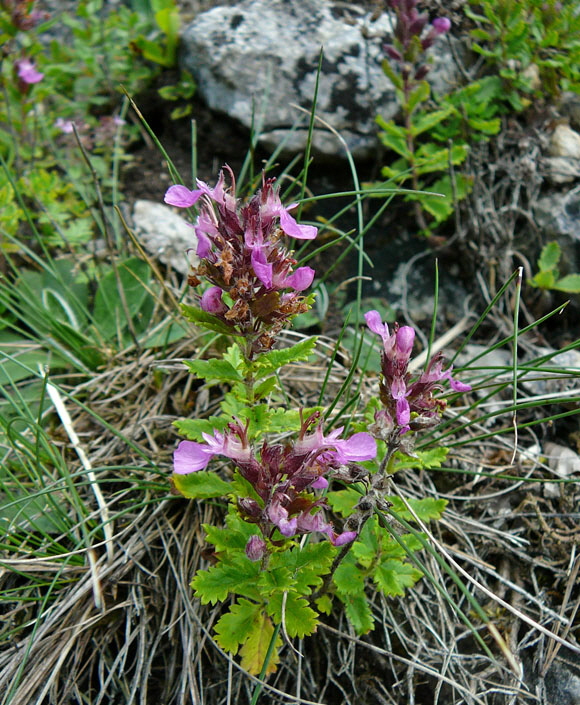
(407, 65)
(281, 555)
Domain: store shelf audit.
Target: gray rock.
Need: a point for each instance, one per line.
(558, 218)
(164, 234)
(254, 60)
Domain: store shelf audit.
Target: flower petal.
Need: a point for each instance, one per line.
(361, 446)
(190, 457)
(375, 324)
(291, 227)
(300, 279)
(181, 196)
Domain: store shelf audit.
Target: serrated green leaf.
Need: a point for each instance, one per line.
(193, 428)
(424, 459)
(265, 388)
(366, 546)
(236, 626)
(427, 121)
(207, 320)
(273, 360)
(358, 612)
(255, 648)
(237, 575)
(300, 619)
(426, 509)
(235, 357)
(306, 565)
(349, 579)
(200, 485)
(392, 75)
(393, 576)
(343, 502)
(569, 284)
(213, 370)
(488, 127)
(543, 280)
(481, 34)
(418, 95)
(233, 538)
(275, 580)
(397, 144)
(549, 257)
(324, 604)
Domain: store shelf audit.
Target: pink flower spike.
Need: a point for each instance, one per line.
(291, 227)
(191, 457)
(181, 196)
(373, 319)
(27, 71)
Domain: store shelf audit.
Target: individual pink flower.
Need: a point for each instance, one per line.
(191, 456)
(26, 70)
(65, 126)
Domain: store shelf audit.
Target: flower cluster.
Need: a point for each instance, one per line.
(408, 403)
(410, 40)
(285, 477)
(255, 288)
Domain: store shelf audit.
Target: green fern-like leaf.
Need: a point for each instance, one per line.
(300, 619)
(236, 576)
(234, 627)
(393, 576)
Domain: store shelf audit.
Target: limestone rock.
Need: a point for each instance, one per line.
(257, 59)
(164, 234)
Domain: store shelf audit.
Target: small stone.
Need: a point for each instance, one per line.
(565, 142)
(164, 234)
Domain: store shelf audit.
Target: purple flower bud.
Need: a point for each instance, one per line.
(211, 301)
(405, 339)
(441, 25)
(422, 71)
(392, 53)
(418, 24)
(344, 538)
(255, 548)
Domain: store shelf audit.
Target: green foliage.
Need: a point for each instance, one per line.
(201, 485)
(378, 557)
(534, 45)
(548, 276)
(278, 591)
